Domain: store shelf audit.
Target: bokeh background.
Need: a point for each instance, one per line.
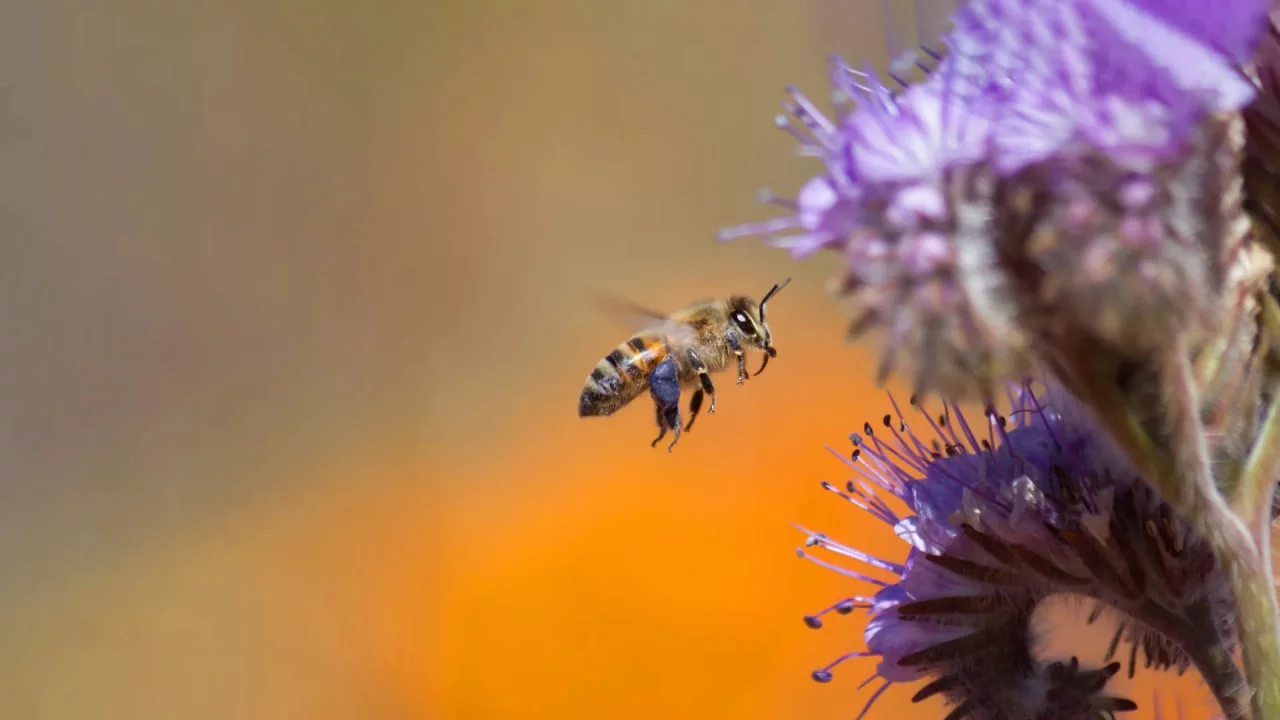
(293, 305)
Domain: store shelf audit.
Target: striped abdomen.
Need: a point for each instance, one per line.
(621, 375)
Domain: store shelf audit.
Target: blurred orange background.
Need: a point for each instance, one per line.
(292, 299)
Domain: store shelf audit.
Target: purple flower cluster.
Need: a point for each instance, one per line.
(1088, 192)
(1005, 203)
(1025, 506)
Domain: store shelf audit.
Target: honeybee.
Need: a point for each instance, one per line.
(679, 350)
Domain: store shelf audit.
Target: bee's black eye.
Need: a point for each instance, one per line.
(743, 322)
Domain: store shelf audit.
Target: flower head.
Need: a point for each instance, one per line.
(1035, 504)
(1064, 191)
(1067, 168)
(906, 196)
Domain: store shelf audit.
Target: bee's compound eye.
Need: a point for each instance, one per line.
(740, 319)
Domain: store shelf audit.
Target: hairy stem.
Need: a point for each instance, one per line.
(1231, 536)
(1184, 476)
(1257, 482)
(1250, 573)
(1258, 624)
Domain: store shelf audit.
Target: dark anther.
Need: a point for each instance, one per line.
(822, 676)
(888, 420)
(914, 400)
(813, 622)
(866, 428)
(850, 487)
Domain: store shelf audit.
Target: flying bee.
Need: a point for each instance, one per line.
(680, 350)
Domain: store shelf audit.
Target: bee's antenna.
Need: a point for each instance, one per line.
(773, 291)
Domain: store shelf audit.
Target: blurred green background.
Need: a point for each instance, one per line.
(293, 315)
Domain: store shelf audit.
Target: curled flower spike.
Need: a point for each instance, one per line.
(907, 198)
(1002, 516)
(1130, 176)
(1089, 188)
(1132, 258)
(1068, 168)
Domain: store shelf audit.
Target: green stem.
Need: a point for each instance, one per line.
(1233, 537)
(1257, 482)
(1258, 624)
(1153, 409)
(1249, 557)
(1250, 572)
(1182, 472)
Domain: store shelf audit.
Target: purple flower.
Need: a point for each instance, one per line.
(1116, 129)
(1232, 28)
(1087, 76)
(1063, 190)
(906, 195)
(1002, 516)
(1067, 169)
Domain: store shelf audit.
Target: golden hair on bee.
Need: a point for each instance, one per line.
(679, 350)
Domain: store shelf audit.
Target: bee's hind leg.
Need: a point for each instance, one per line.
(664, 386)
(662, 429)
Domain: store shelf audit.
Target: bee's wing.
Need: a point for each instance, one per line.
(638, 318)
(678, 334)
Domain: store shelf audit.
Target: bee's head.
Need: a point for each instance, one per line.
(748, 317)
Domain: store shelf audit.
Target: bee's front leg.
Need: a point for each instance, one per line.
(742, 358)
(664, 387)
(704, 377)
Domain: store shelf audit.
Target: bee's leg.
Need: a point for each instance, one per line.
(742, 358)
(705, 379)
(707, 388)
(664, 386)
(662, 428)
(695, 404)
